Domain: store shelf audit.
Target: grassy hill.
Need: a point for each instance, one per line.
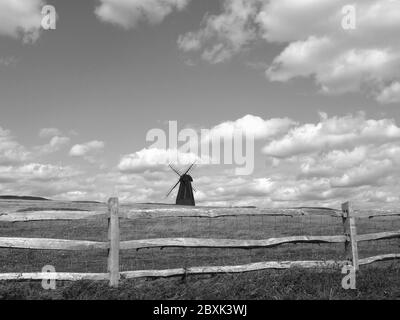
(29, 198)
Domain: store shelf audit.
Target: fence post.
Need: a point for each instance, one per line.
(114, 238)
(350, 231)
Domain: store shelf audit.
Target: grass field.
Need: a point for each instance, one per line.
(378, 281)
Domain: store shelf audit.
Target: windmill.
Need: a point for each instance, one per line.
(185, 193)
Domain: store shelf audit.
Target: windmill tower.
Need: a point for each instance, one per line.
(185, 193)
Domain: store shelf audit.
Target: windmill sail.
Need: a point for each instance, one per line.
(172, 189)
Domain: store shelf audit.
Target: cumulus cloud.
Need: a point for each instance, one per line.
(369, 173)
(390, 94)
(339, 60)
(21, 171)
(37, 171)
(86, 149)
(154, 159)
(197, 148)
(333, 133)
(49, 132)
(11, 152)
(47, 180)
(336, 158)
(55, 144)
(128, 14)
(222, 36)
(235, 188)
(252, 126)
(90, 152)
(21, 19)
(315, 45)
(332, 162)
(320, 163)
(362, 166)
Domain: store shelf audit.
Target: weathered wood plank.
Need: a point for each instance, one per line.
(353, 238)
(226, 243)
(49, 215)
(383, 257)
(61, 276)
(350, 231)
(375, 213)
(114, 237)
(60, 244)
(46, 215)
(378, 236)
(346, 231)
(151, 213)
(66, 276)
(232, 269)
(50, 244)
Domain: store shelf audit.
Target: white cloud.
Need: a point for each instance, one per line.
(332, 162)
(37, 171)
(55, 144)
(21, 19)
(390, 94)
(338, 158)
(372, 165)
(11, 152)
(57, 140)
(333, 133)
(157, 159)
(340, 61)
(252, 126)
(154, 160)
(22, 173)
(86, 149)
(128, 13)
(319, 164)
(49, 132)
(222, 36)
(40, 179)
(315, 45)
(369, 173)
(240, 188)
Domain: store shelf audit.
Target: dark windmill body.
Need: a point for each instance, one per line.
(185, 195)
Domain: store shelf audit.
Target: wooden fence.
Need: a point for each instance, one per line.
(349, 238)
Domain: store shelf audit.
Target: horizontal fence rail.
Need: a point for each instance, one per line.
(70, 215)
(229, 212)
(375, 213)
(383, 257)
(59, 244)
(50, 215)
(378, 236)
(226, 243)
(51, 244)
(114, 245)
(258, 266)
(61, 276)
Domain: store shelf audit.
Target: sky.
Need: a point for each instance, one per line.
(313, 83)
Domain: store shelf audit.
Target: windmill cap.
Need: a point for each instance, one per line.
(186, 177)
